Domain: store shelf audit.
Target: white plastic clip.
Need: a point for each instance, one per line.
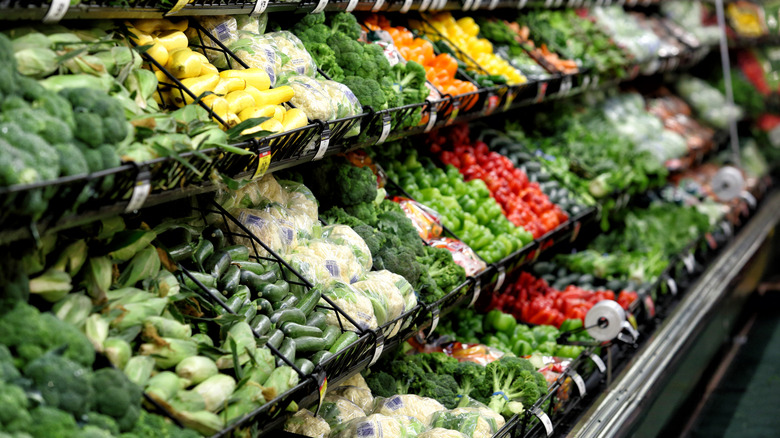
(324, 144)
(56, 11)
(141, 191)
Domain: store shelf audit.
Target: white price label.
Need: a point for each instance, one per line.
(558, 3)
(406, 6)
(378, 5)
(434, 323)
(566, 85)
(385, 128)
(475, 5)
(599, 363)
(477, 292)
(749, 198)
(351, 5)
(324, 144)
(548, 3)
(580, 383)
(432, 113)
(689, 262)
(521, 4)
(380, 347)
(672, 285)
(501, 278)
(260, 7)
(425, 5)
(141, 191)
(585, 82)
(56, 11)
(542, 416)
(492, 5)
(455, 111)
(467, 5)
(321, 6)
(727, 229)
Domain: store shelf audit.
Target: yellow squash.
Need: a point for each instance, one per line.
(239, 100)
(294, 118)
(275, 96)
(172, 39)
(227, 85)
(255, 77)
(198, 86)
(257, 112)
(184, 63)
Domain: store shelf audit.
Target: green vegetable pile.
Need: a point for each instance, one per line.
(360, 66)
(466, 208)
(348, 195)
(507, 386)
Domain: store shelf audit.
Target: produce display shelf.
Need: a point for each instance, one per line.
(107, 9)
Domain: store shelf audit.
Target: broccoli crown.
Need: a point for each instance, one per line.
(8, 371)
(382, 384)
(509, 379)
(397, 259)
(13, 103)
(62, 382)
(469, 375)
(99, 117)
(58, 107)
(117, 397)
(35, 151)
(49, 422)
(311, 34)
(441, 387)
(347, 24)
(154, 426)
(337, 215)
(40, 122)
(365, 211)
(325, 58)
(338, 182)
(367, 91)
(90, 431)
(103, 422)
(17, 166)
(410, 82)
(72, 161)
(393, 220)
(374, 239)
(13, 415)
(442, 268)
(30, 88)
(366, 61)
(28, 334)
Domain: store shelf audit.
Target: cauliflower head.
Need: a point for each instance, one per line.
(338, 410)
(361, 397)
(421, 408)
(305, 423)
(346, 236)
(354, 303)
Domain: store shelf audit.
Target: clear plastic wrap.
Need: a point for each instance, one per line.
(472, 422)
(253, 194)
(462, 254)
(375, 426)
(440, 432)
(346, 236)
(352, 302)
(270, 224)
(346, 102)
(254, 24)
(295, 59)
(403, 286)
(360, 396)
(356, 380)
(305, 423)
(300, 199)
(337, 410)
(223, 28)
(387, 299)
(309, 265)
(338, 260)
(421, 408)
(258, 51)
(311, 97)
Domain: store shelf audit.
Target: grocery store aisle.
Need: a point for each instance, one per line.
(746, 399)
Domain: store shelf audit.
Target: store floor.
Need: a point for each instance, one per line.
(745, 402)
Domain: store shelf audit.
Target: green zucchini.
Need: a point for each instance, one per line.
(284, 315)
(254, 282)
(288, 301)
(317, 319)
(294, 330)
(305, 365)
(275, 291)
(261, 325)
(206, 280)
(230, 280)
(331, 335)
(264, 306)
(217, 264)
(275, 338)
(243, 292)
(309, 344)
(215, 236)
(181, 252)
(343, 341)
(309, 301)
(248, 311)
(543, 268)
(237, 252)
(203, 251)
(253, 267)
(235, 303)
(321, 356)
(287, 350)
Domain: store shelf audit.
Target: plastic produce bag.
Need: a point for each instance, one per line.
(352, 302)
(356, 380)
(387, 299)
(300, 199)
(403, 286)
(271, 225)
(338, 410)
(252, 194)
(473, 422)
(375, 426)
(439, 432)
(309, 265)
(311, 97)
(346, 236)
(338, 260)
(425, 220)
(305, 423)
(295, 59)
(344, 99)
(360, 396)
(421, 408)
(258, 51)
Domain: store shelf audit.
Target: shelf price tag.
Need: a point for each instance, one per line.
(260, 7)
(585, 83)
(599, 363)
(492, 5)
(540, 92)
(141, 191)
(377, 6)
(566, 85)
(542, 416)
(405, 7)
(324, 144)
(435, 322)
(672, 285)
(385, 128)
(576, 231)
(477, 291)
(467, 5)
(263, 162)
(380, 346)
(351, 5)
(425, 5)
(56, 11)
(749, 198)
(501, 278)
(548, 3)
(455, 111)
(432, 113)
(323, 4)
(689, 262)
(510, 97)
(474, 6)
(322, 385)
(558, 3)
(579, 382)
(521, 4)
(726, 227)
(491, 103)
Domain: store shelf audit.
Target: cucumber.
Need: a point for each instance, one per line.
(288, 301)
(260, 324)
(543, 177)
(206, 280)
(253, 281)
(243, 292)
(294, 330)
(203, 251)
(542, 268)
(181, 252)
(343, 341)
(248, 310)
(284, 315)
(215, 236)
(235, 303)
(287, 350)
(309, 344)
(275, 338)
(217, 264)
(309, 301)
(305, 365)
(237, 252)
(264, 306)
(561, 272)
(522, 157)
(321, 356)
(275, 291)
(331, 335)
(586, 286)
(317, 319)
(230, 280)
(615, 285)
(571, 279)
